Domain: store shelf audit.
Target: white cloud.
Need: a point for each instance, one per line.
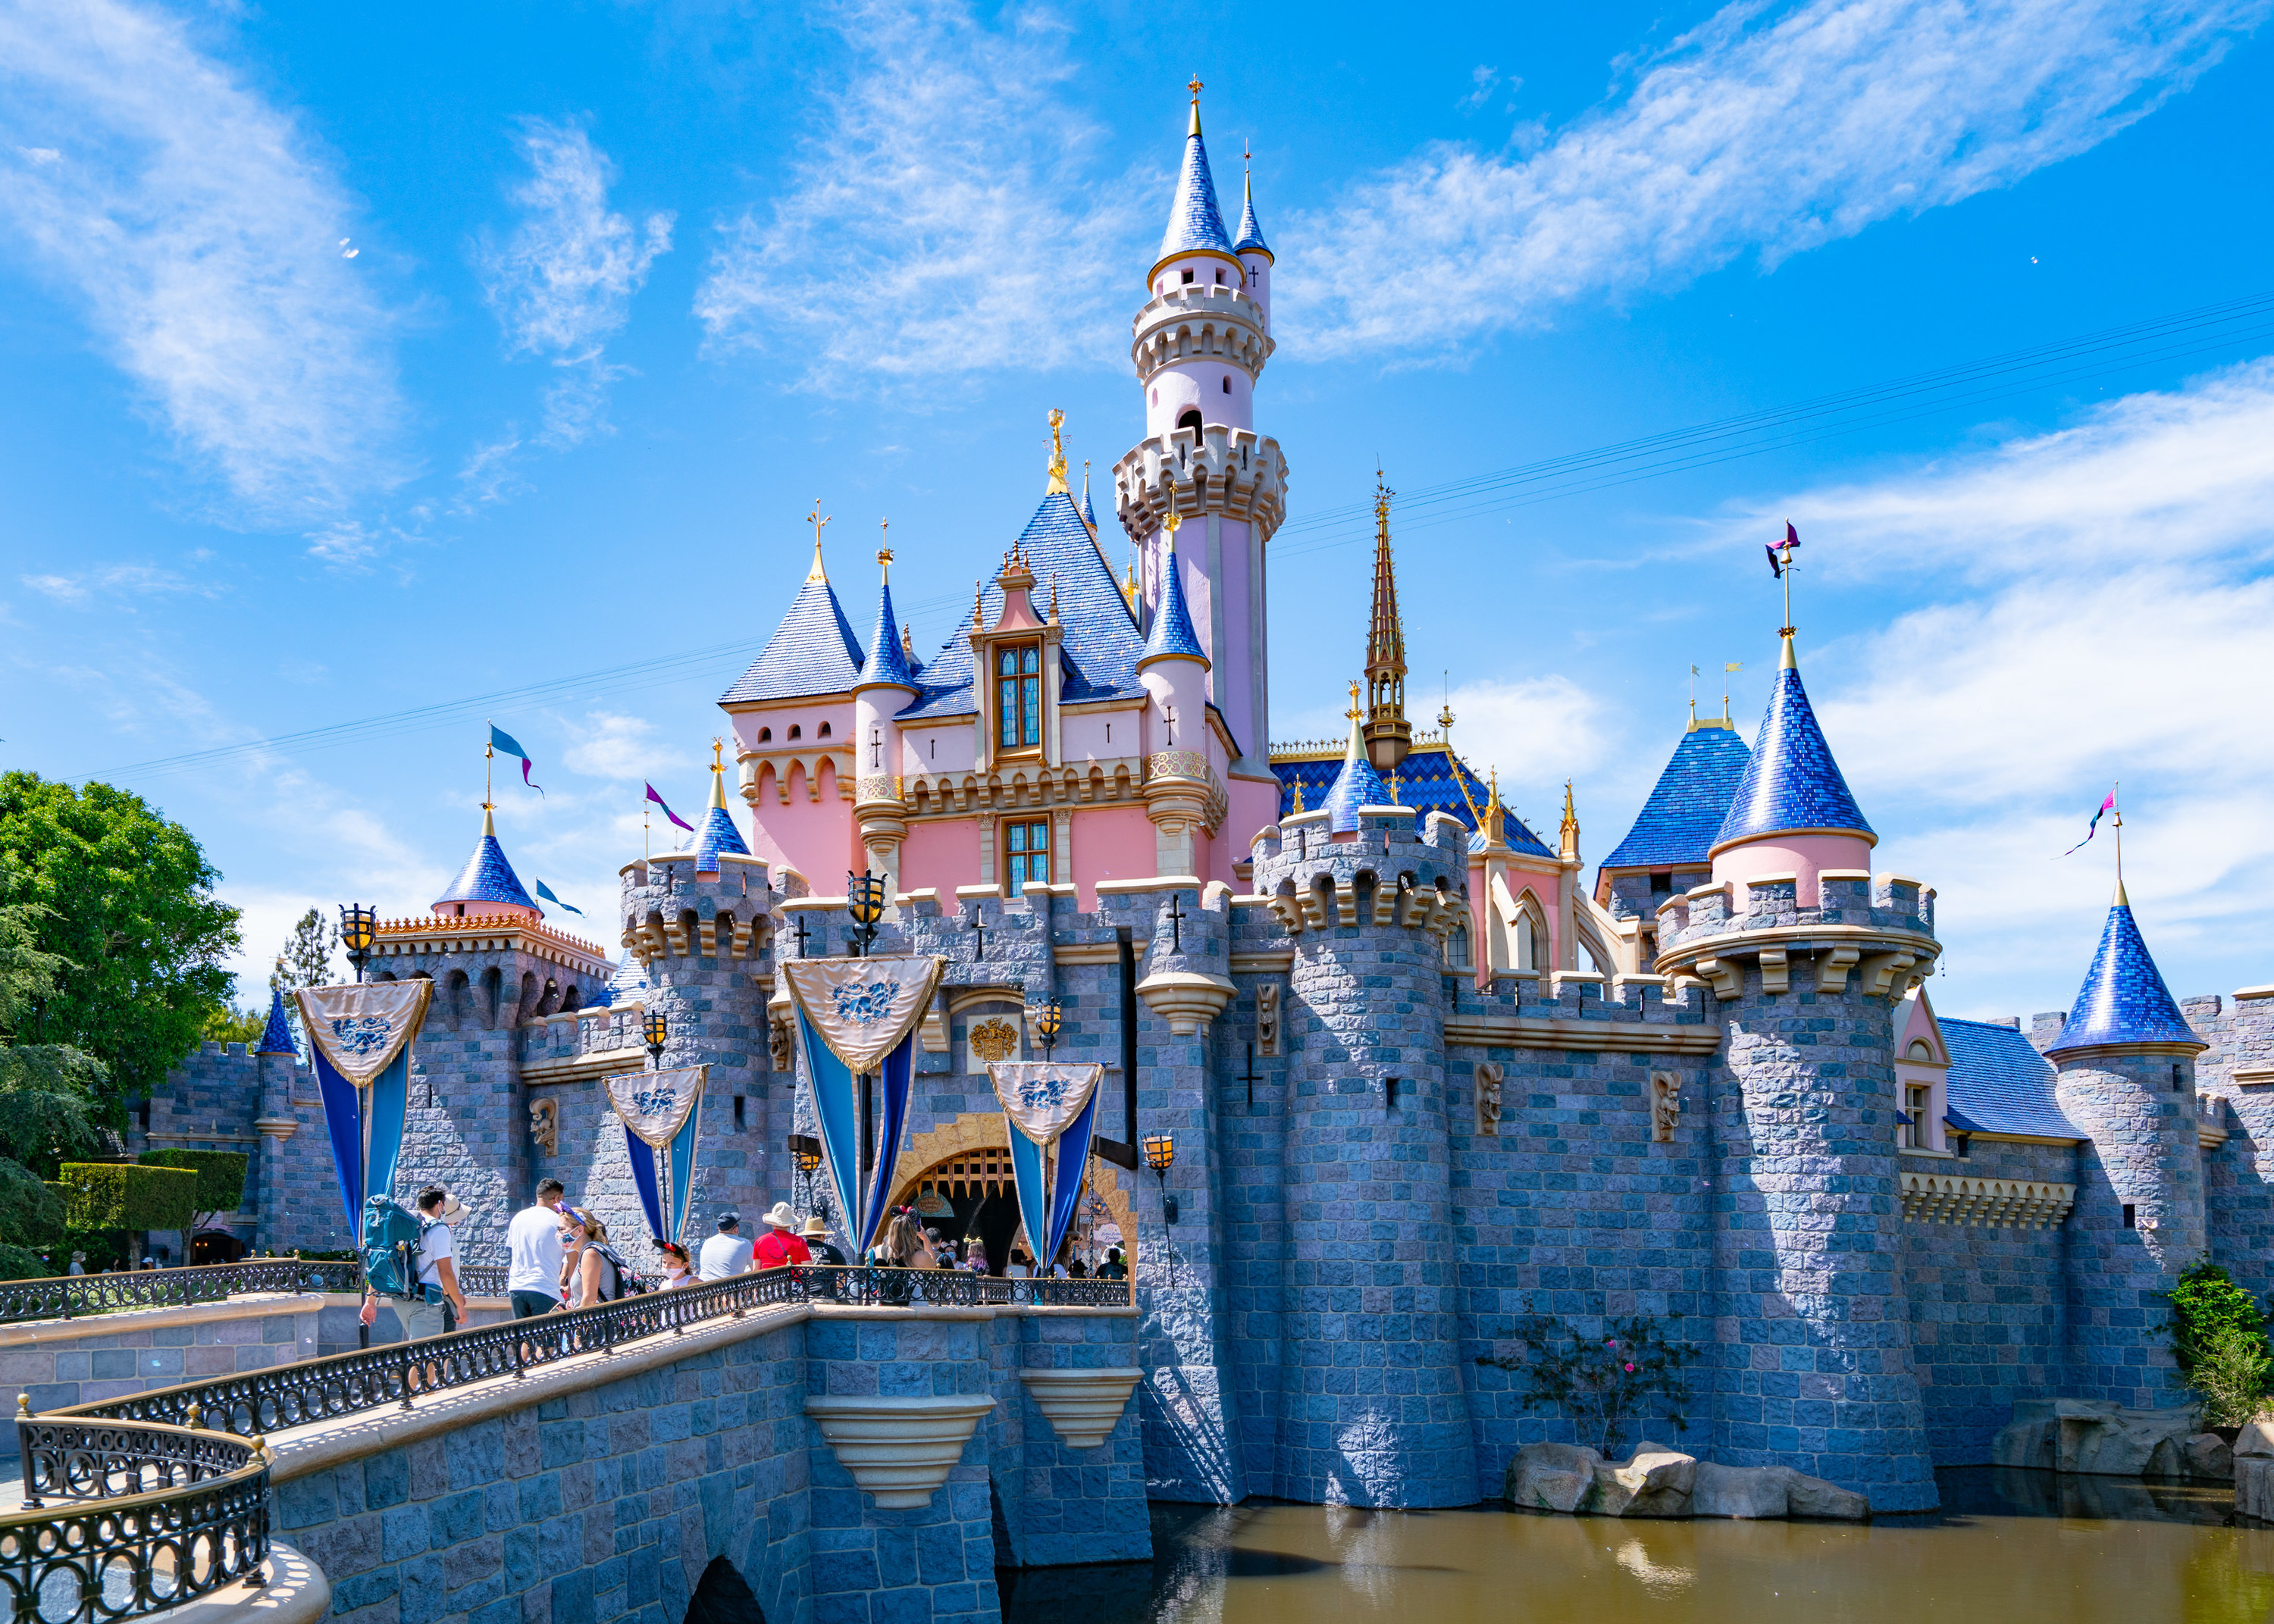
(561, 284)
(1758, 131)
(946, 217)
(2118, 621)
(189, 220)
(619, 748)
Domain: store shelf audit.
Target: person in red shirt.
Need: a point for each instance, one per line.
(781, 1245)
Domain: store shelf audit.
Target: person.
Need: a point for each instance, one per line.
(79, 1263)
(726, 1253)
(440, 1307)
(781, 1243)
(599, 1271)
(678, 1268)
(1058, 1263)
(1077, 1269)
(539, 1266)
(817, 1243)
(1113, 1268)
(1018, 1269)
(943, 1255)
(974, 1257)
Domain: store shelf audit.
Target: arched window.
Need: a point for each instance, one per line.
(824, 730)
(1019, 696)
(766, 735)
(1189, 419)
(1920, 1050)
(1457, 948)
(1527, 953)
(796, 732)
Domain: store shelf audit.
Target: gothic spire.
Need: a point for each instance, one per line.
(1388, 736)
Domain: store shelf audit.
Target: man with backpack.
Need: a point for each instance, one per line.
(436, 1305)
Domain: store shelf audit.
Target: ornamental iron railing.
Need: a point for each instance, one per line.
(125, 1519)
(69, 1296)
(254, 1403)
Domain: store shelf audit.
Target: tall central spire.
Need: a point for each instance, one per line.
(1388, 736)
(1195, 223)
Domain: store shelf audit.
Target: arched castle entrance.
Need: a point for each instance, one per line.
(967, 1163)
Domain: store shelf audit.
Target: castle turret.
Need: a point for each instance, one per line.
(1808, 960)
(717, 833)
(885, 687)
(2125, 1061)
(1255, 253)
(1198, 346)
(488, 887)
(1371, 1373)
(1174, 672)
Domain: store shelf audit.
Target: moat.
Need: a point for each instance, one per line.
(2006, 1547)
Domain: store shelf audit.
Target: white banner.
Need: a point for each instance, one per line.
(863, 1007)
(654, 1105)
(362, 1028)
(1041, 1097)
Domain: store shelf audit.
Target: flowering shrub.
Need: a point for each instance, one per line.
(1603, 1380)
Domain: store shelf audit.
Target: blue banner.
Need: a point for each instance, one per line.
(366, 1130)
(836, 1111)
(683, 1178)
(1049, 1194)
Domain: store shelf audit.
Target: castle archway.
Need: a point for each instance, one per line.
(966, 1165)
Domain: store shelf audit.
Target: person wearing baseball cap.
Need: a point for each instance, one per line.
(726, 1253)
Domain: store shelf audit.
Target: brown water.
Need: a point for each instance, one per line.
(2009, 1547)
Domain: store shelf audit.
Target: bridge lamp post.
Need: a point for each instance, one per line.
(1160, 1156)
(657, 1030)
(1048, 1019)
(864, 901)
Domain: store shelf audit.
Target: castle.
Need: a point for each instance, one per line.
(1418, 1074)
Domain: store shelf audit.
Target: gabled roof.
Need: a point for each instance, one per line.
(1428, 780)
(888, 662)
(1172, 636)
(1100, 642)
(276, 1036)
(1194, 222)
(1677, 825)
(1790, 783)
(2124, 1000)
(487, 876)
(812, 651)
(1250, 238)
(1999, 1084)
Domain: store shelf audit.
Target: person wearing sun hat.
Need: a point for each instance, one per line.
(781, 1243)
(818, 1241)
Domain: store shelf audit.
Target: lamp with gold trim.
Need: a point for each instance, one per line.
(1160, 1156)
(1046, 1018)
(864, 902)
(358, 929)
(657, 1030)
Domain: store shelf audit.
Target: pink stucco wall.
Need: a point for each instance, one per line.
(943, 854)
(813, 836)
(1110, 843)
(1805, 856)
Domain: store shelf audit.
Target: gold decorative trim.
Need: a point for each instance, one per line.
(1617, 1037)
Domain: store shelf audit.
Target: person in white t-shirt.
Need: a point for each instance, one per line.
(438, 1277)
(726, 1253)
(540, 1262)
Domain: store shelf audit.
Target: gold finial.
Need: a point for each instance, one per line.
(1382, 495)
(1493, 803)
(1568, 837)
(884, 564)
(23, 1403)
(1353, 713)
(1172, 524)
(1058, 484)
(1129, 587)
(1394, 791)
(817, 520)
(979, 605)
(1054, 595)
(908, 641)
(1195, 88)
(1298, 794)
(718, 755)
(1445, 719)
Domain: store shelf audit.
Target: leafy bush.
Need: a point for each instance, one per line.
(1602, 1382)
(2229, 1375)
(221, 1177)
(120, 1195)
(2207, 1301)
(22, 1263)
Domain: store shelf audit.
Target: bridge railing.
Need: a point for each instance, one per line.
(253, 1403)
(69, 1296)
(124, 1519)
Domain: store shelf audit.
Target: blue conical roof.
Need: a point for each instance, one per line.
(1194, 222)
(1791, 783)
(1251, 234)
(276, 1036)
(2124, 1000)
(812, 651)
(1680, 821)
(888, 662)
(1357, 785)
(717, 833)
(1172, 636)
(487, 876)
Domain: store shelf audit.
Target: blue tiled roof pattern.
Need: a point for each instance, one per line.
(1356, 785)
(1791, 781)
(812, 651)
(1251, 234)
(1089, 512)
(1173, 631)
(488, 877)
(1676, 826)
(276, 1036)
(1098, 651)
(1429, 781)
(2124, 999)
(888, 662)
(628, 985)
(1999, 1084)
(1193, 221)
(715, 834)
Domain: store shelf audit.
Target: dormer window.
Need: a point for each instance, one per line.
(1019, 696)
(796, 732)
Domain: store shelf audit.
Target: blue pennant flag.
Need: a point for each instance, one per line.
(545, 893)
(501, 739)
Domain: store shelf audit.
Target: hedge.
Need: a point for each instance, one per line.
(220, 1175)
(121, 1195)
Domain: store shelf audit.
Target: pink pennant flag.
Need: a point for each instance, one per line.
(2093, 827)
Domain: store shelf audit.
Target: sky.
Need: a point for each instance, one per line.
(375, 373)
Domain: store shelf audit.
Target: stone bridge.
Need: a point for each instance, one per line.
(847, 1462)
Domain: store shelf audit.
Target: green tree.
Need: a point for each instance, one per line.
(234, 1026)
(129, 923)
(48, 1093)
(306, 961)
(2206, 1301)
(221, 1179)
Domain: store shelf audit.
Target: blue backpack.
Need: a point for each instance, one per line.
(391, 1236)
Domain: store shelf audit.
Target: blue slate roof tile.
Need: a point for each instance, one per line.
(1790, 783)
(717, 833)
(276, 1036)
(1098, 653)
(888, 662)
(1172, 636)
(812, 651)
(1251, 234)
(486, 877)
(1356, 785)
(1428, 780)
(628, 985)
(2124, 999)
(1999, 1084)
(1677, 825)
(1193, 221)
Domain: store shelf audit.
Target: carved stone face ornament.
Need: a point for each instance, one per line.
(1665, 1107)
(1267, 1018)
(544, 1124)
(1489, 1076)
